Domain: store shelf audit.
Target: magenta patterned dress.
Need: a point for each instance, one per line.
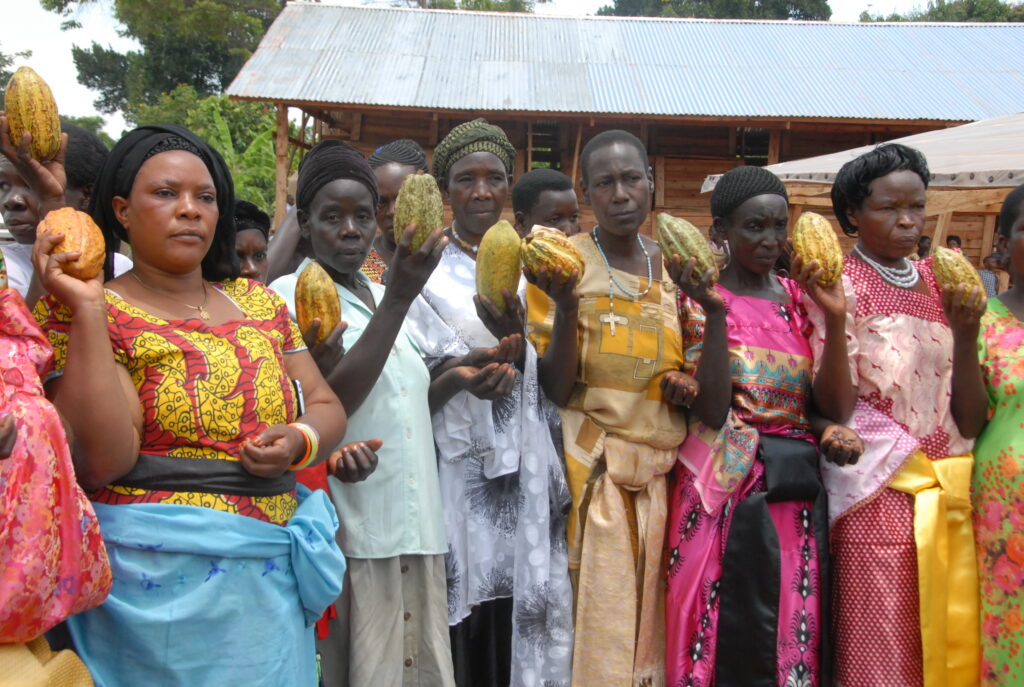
(720, 478)
(52, 559)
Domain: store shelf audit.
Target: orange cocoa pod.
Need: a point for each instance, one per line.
(80, 235)
(30, 107)
(316, 297)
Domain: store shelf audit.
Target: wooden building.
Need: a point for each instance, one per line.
(704, 95)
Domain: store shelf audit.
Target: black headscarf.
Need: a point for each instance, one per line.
(118, 175)
(741, 184)
(328, 161)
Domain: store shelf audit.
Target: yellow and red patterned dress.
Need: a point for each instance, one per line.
(203, 390)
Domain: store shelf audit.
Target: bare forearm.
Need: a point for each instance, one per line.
(357, 373)
(557, 369)
(442, 388)
(330, 421)
(106, 440)
(969, 402)
(713, 375)
(833, 390)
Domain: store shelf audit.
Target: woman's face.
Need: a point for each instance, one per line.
(890, 220)
(476, 187)
(618, 188)
(171, 212)
(389, 182)
(20, 205)
(340, 223)
(1015, 246)
(251, 247)
(557, 209)
(756, 231)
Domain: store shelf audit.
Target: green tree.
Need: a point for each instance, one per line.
(93, 124)
(957, 11)
(477, 5)
(202, 43)
(7, 69)
(721, 9)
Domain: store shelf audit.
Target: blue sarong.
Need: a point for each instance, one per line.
(206, 597)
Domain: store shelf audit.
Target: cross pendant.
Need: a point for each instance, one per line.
(611, 319)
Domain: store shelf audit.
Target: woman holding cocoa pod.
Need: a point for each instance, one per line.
(988, 354)
(612, 360)
(900, 518)
(221, 564)
(502, 485)
(748, 534)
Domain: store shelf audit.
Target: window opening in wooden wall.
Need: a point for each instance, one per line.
(546, 150)
(752, 145)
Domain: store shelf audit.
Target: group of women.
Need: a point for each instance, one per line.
(628, 475)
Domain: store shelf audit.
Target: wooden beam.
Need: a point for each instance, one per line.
(988, 235)
(659, 181)
(357, 125)
(281, 164)
(529, 146)
(732, 142)
(576, 155)
(432, 136)
(774, 146)
(645, 136)
(967, 200)
(942, 228)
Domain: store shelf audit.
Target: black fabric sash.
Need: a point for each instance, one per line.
(204, 475)
(749, 603)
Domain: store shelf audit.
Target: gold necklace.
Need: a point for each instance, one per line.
(201, 308)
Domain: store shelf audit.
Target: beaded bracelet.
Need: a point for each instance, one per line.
(312, 445)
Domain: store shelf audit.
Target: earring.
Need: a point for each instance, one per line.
(721, 253)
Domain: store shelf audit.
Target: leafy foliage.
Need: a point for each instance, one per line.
(958, 11)
(721, 9)
(94, 125)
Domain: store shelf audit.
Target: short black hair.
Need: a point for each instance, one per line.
(527, 190)
(954, 237)
(1010, 212)
(85, 156)
(607, 138)
(853, 182)
(249, 216)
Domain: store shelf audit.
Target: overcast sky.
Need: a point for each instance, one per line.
(28, 27)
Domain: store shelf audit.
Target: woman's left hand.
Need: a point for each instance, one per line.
(354, 462)
(501, 324)
(679, 388)
(964, 318)
(272, 451)
(840, 445)
(8, 435)
(831, 299)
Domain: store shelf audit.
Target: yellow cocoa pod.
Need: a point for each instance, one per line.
(497, 263)
(30, 107)
(419, 202)
(550, 248)
(678, 237)
(814, 239)
(80, 235)
(316, 297)
(952, 269)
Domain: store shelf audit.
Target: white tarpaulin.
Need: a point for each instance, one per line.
(989, 153)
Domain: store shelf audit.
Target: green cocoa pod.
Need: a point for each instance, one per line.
(419, 202)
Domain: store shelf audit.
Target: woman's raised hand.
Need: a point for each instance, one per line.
(72, 292)
(703, 291)
(410, 271)
(840, 445)
(354, 462)
(964, 317)
(559, 287)
(831, 299)
(329, 352)
(501, 323)
(47, 180)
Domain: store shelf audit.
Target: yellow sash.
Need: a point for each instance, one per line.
(947, 573)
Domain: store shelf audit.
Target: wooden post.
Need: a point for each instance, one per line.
(576, 155)
(659, 181)
(281, 158)
(774, 146)
(942, 228)
(987, 235)
(529, 146)
(432, 136)
(357, 125)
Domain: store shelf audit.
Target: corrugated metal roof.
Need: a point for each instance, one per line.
(455, 60)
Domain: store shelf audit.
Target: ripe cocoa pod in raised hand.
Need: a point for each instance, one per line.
(952, 269)
(80, 235)
(316, 297)
(497, 263)
(419, 202)
(814, 239)
(30, 107)
(550, 248)
(678, 237)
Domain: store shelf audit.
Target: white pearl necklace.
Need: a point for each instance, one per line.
(904, 277)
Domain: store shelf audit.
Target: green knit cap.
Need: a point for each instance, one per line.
(472, 137)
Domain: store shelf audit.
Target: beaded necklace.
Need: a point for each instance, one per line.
(463, 243)
(904, 277)
(611, 318)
